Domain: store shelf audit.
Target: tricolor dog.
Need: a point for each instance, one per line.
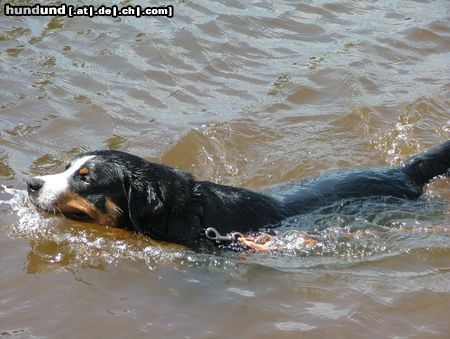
(118, 189)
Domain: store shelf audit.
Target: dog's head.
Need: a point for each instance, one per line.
(110, 188)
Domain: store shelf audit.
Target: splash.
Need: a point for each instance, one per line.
(338, 242)
(28, 219)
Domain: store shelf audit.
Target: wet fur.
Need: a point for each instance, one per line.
(169, 204)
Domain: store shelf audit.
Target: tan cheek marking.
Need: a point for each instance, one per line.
(84, 170)
(114, 212)
(71, 202)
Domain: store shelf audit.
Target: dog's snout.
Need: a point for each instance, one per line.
(34, 184)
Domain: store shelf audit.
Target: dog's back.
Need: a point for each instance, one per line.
(404, 181)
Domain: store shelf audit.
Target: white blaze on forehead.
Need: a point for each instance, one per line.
(56, 184)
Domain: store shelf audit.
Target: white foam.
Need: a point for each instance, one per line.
(86, 245)
(28, 218)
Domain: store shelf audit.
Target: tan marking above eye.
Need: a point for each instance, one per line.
(84, 170)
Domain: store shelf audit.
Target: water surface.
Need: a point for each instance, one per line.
(254, 94)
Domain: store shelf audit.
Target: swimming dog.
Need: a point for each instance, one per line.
(114, 188)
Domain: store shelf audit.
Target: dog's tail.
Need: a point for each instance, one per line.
(424, 167)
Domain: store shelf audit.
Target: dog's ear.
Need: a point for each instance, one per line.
(145, 202)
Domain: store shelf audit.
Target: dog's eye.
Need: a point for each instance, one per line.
(88, 179)
(84, 175)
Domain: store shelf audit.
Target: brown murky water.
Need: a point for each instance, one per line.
(253, 94)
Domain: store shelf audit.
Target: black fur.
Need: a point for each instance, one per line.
(170, 205)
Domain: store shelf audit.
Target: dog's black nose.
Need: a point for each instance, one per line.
(34, 184)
